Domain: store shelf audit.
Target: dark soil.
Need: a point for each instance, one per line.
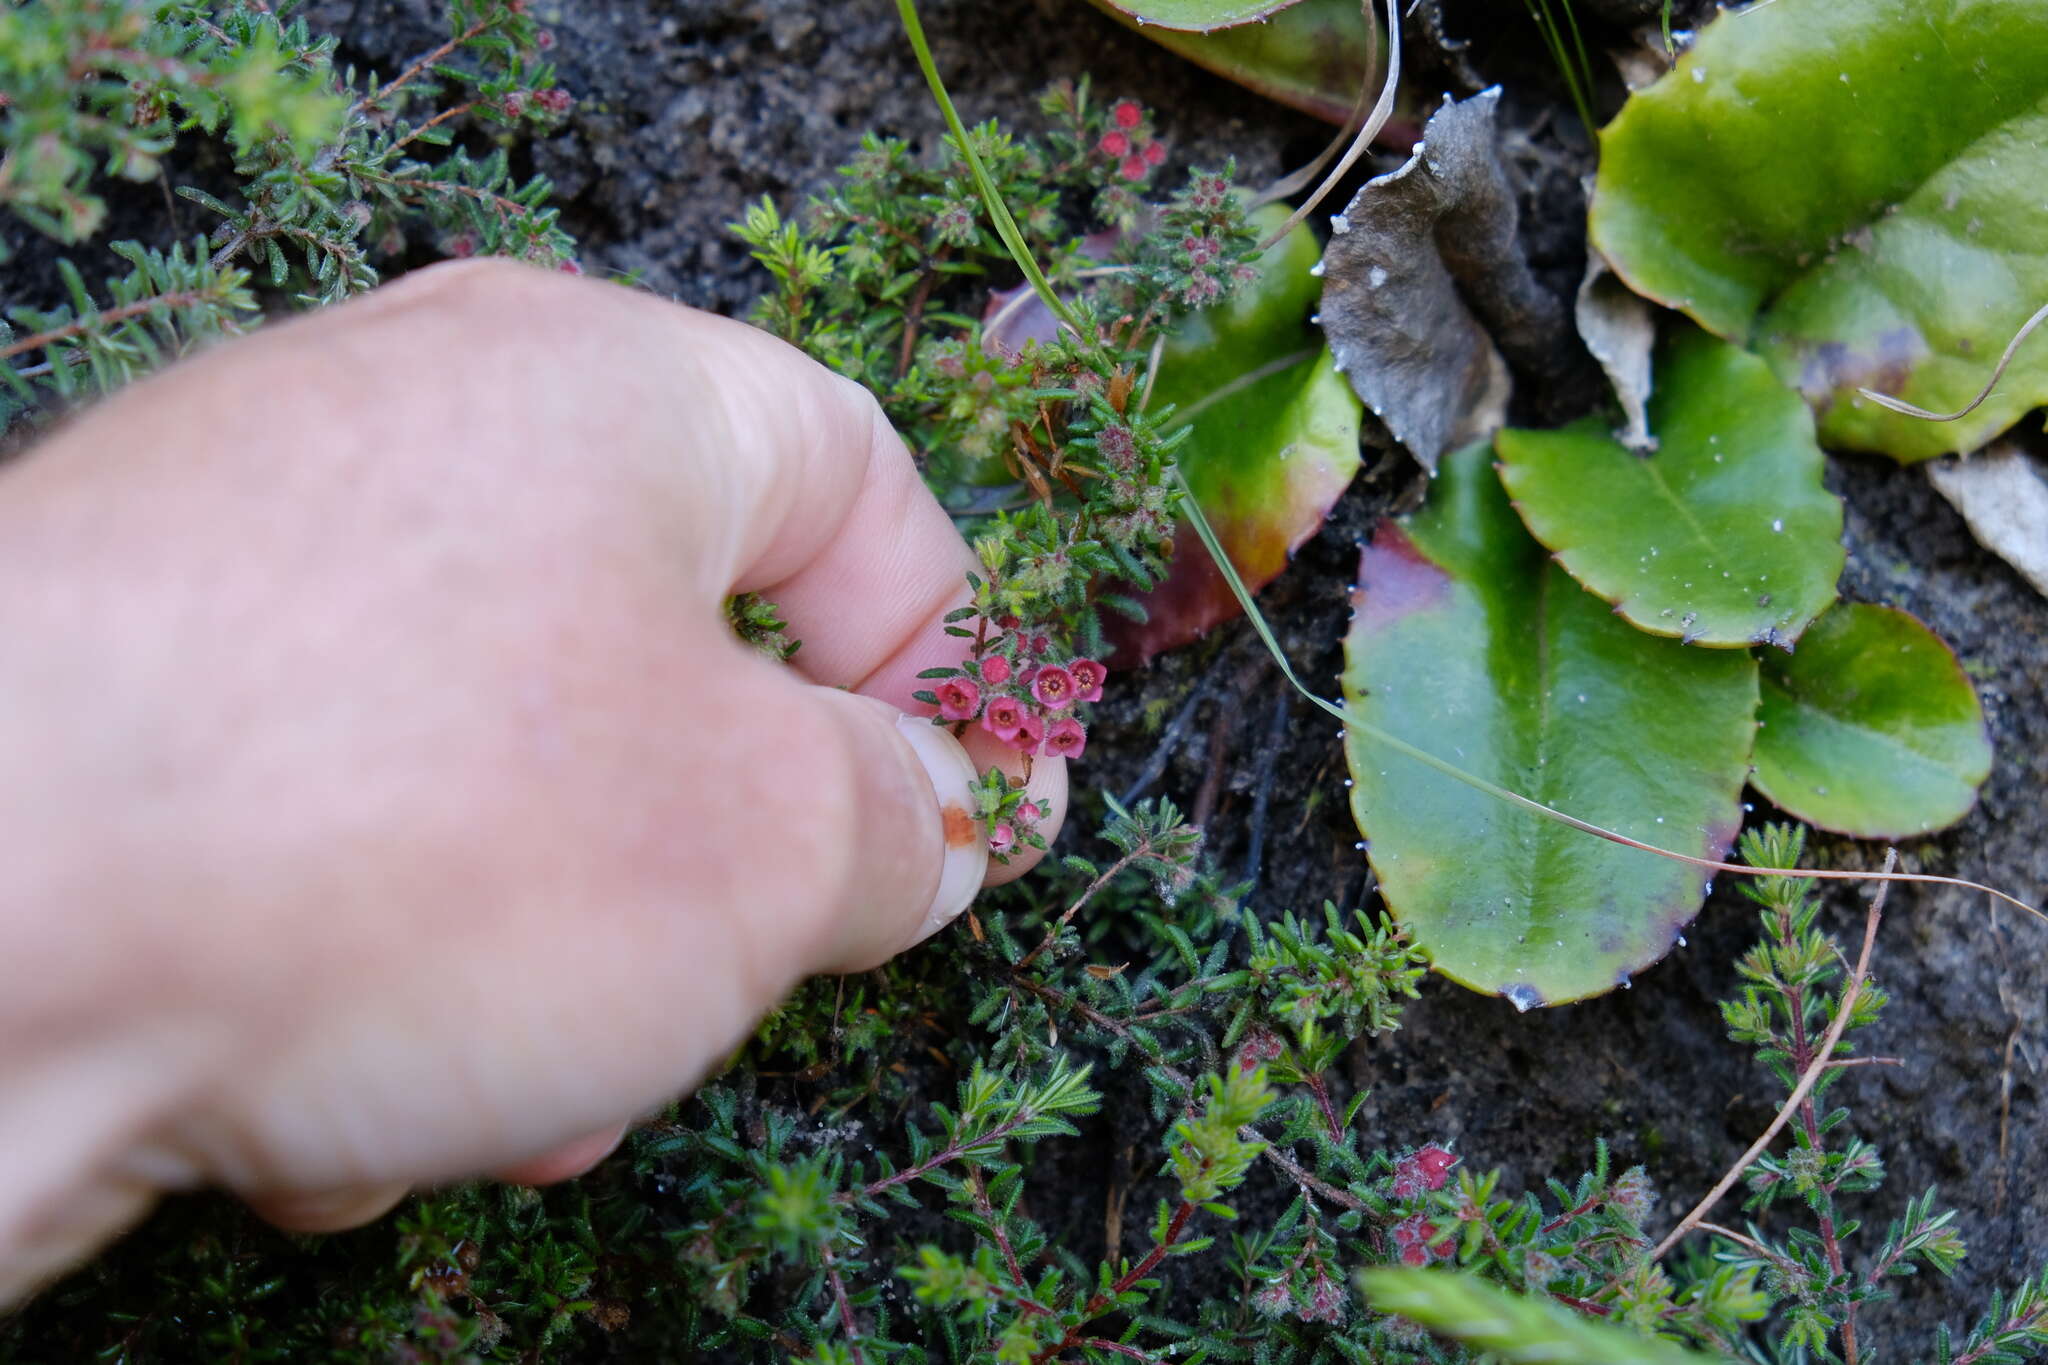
(691, 109)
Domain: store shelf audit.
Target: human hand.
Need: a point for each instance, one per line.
(388, 800)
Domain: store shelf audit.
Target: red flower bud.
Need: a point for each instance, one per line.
(1433, 1164)
(1155, 152)
(995, 670)
(1133, 168)
(1127, 113)
(1114, 144)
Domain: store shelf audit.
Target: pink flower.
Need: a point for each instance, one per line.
(1631, 1195)
(1155, 152)
(1114, 144)
(1259, 1047)
(1030, 812)
(1133, 167)
(1127, 113)
(995, 670)
(959, 698)
(1029, 734)
(1117, 446)
(1412, 1235)
(1325, 1301)
(1066, 739)
(1054, 687)
(1004, 717)
(1002, 839)
(1273, 1300)
(1088, 679)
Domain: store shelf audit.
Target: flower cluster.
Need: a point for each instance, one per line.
(1113, 144)
(1019, 695)
(1009, 819)
(1412, 1236)
(1423, 1170)
(1130, 142)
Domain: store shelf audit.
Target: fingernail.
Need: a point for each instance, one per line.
(966, 851)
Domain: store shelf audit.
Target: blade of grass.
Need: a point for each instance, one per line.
(1899, 405)
(999, 213)
(1382, 110)
(1578, 78)
(1293, 181)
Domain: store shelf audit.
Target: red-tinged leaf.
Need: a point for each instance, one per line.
(1469, 643)
(1196, 16)
(1311, 56)
(1274, 442)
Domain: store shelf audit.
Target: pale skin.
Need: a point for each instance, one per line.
(387, 801)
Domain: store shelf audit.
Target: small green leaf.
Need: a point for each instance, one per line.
(1853, 187)
(1871, 729)
(1511, 1327)
(1468, 642)
(1724, 536)
(1197, 16)
(1311, 56)
(1273, 439)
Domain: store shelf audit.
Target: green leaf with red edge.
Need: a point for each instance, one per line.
(1724, 535)
(1872, 728)
(1274, 440)
(1467, 641)
(1853, 188)
(1196, 16)
(1311, 56)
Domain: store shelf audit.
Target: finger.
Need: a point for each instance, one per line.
(328, 1210)
(565, 1162)
(913, 852)
(784, 477)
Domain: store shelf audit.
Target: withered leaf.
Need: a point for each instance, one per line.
(1423, 275)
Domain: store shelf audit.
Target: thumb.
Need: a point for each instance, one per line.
(895, 838)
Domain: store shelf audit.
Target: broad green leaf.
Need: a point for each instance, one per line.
(1197, 16)
(1512, 1327)
(1853, 188)
(1311, 56)
(1724, 536)
(1872, 728)
(1274, 440)
(1468, 642)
